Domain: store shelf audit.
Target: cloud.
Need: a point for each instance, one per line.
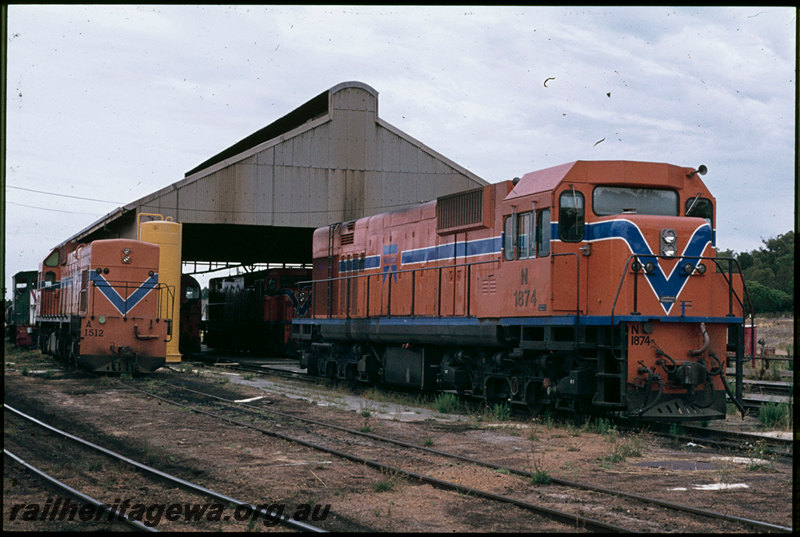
(114, 102)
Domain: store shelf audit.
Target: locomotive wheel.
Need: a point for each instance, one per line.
(496, 391)
(582, 411)
(52, 343)
(64, 347)
(312, 368)
(75, 351)
(534, 398)
(331, 370)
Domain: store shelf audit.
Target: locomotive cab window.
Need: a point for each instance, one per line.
(608, 200)
(508, 239)
(701, 208)
(570, 216)
(524, 244)
(192, 292)
(527, 235)
(52, 259)
(543, 232)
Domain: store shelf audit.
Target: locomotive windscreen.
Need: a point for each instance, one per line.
(609, 200)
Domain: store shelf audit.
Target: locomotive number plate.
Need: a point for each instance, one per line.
(525, 298)
(636, 337)
(640, 340)
(90, 331)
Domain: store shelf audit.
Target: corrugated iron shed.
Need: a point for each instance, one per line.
(330, 160)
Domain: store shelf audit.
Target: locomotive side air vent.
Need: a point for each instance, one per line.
(460, 211)
(348, 233)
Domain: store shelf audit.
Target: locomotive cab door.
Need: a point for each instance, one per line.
(570, 262)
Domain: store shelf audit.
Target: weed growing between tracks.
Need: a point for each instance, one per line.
(776, 415)
(760, 458)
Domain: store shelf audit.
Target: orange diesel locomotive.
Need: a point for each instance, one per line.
(586, 287)
(99, 303)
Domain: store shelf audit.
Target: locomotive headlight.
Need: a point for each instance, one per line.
(649, 267)
(668, 240)
(701, 268)
(126, 259)
(126, 251)
(688, 268)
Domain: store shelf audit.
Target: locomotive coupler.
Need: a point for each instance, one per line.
(689, 374)
(124, 352)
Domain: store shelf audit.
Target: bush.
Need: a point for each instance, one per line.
(767, 299)
(775, 415)
(446, 403)
(501, 412)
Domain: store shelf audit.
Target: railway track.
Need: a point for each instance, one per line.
(343, 442)
(53, 511)
(739, 441)
(768, 387)
(158, 485)
(729, 440)
(523, 474)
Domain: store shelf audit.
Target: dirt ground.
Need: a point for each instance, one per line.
(777, 333)
(253, 467)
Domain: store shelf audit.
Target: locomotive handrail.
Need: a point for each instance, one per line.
(731, 291)
(731, 294)
(412, 271)
(161, 302)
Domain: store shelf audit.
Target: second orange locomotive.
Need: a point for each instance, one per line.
(590, 286)
(99, 304)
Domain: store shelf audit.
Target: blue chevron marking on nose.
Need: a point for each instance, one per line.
(123, 305)
(661, 284)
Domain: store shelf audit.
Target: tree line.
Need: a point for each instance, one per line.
(769, 273)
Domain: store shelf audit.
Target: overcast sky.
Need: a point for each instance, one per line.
(111, 103)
